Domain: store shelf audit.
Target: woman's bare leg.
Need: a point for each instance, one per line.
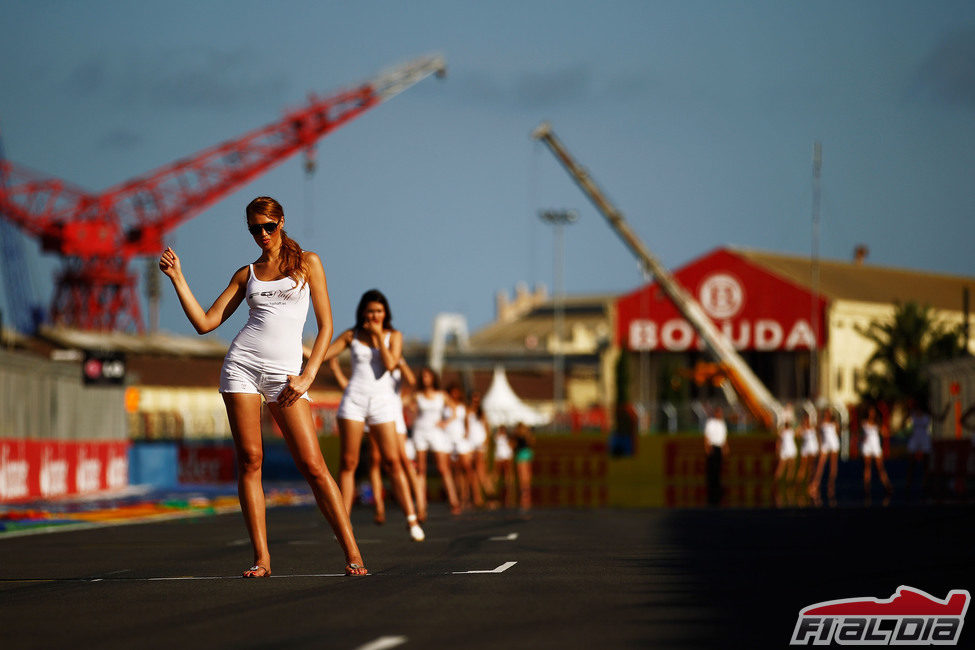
(421, 477)
(833, 466)
(882, 473)
(389, 446)
(509, 484)
(474, 483)
(419, 495)
(299, 433)
(443, 466)
(376, 480)
(525, 484)
(244, 413)
(350, 437)
(480, 467)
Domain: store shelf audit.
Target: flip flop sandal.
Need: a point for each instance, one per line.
(253, 572)
(352, 567)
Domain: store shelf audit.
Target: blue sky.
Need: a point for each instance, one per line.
(697, 118)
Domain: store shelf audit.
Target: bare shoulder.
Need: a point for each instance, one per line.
(241, 275)
(312, 259)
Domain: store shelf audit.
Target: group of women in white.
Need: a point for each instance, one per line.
(803, 467)
(450, 432)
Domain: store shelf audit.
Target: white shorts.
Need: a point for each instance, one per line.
(831, 442)
(810, 447)
(371, 409)
(462, 446)
(410, 449)
(788, 449)
(431, 439)
(236, 377)
(871, 447)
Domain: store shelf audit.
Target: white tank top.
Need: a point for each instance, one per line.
(476, 432)
(870, 431)
(428, 410)
(455, 428)
(369, 375)
(271, 338)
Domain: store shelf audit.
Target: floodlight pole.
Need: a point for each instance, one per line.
(558, 219)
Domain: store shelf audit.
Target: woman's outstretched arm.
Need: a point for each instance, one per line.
(221, 309)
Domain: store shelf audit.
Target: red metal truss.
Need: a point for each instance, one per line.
(99, 234)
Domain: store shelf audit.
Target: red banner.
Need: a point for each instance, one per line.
(33, 469)
(206, 463)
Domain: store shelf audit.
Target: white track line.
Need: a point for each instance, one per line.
(505, 538)
(501, 569)
(383, 642)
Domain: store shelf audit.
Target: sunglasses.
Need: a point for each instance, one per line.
(268, 227)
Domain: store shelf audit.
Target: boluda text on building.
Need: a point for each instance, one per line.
(752, 308)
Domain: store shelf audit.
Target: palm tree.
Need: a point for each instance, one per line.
(907, 343)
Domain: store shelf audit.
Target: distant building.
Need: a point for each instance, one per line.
(794, 322)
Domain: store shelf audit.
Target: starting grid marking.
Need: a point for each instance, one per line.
(108, 577)
(500, 569)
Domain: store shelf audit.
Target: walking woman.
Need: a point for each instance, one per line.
(264, 359)
(401, 374)
(873, 453)
(369, 398)
(429, 435)
(478, 432)
(829, 451)
(455, 415)
(524, 455)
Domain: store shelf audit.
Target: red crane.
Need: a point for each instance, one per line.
(97, 235)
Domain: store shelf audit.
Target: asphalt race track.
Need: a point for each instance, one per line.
(554, 579)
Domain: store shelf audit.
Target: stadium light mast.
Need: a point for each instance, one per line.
(814, 268)
(558, 219)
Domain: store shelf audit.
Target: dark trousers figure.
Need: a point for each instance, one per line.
(715, 490)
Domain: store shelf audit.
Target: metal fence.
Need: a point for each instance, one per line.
(47, 400)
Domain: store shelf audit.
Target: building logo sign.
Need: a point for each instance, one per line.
(721, 295)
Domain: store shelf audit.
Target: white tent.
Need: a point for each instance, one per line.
(502, 406)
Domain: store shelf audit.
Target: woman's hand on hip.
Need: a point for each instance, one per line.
(297, 386)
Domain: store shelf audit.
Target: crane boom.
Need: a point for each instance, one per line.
(749, 387)
(97, 234)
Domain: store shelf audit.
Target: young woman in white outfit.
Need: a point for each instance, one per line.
(478, 432)
(785, 449)
(873, 453)
(400, 374)
(376, 349)
(455, 414)
(828, 451)
(504, 464)
(429, 435)
(808, 454)
(265, 359)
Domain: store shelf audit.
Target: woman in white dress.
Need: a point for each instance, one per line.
(828, 451)
(429, 435)
(873, 453)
